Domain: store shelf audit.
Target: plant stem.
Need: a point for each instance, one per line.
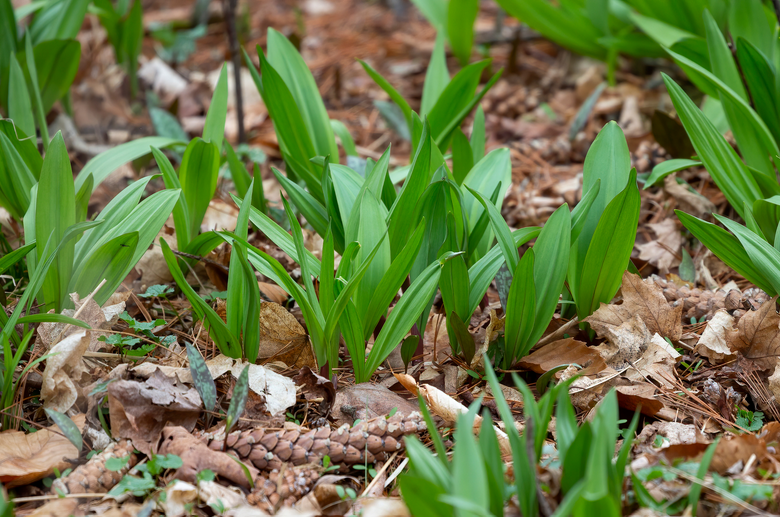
(229, 9)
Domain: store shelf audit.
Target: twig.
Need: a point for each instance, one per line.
(558, 334)
(379, 475)
(723, 493)
(229, 8)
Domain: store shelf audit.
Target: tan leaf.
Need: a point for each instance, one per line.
(64, 370)
(636, 395)
(283, 338)
(661, 252)
(25, 458)
(563, 351)
(757, 335)
(713, 343)
(645, 299)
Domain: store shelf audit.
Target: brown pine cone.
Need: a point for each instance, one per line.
(277, 488)
(367, 442)
(93, 477)
(698, 303)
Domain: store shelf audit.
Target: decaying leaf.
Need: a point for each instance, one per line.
(98, 318)
(662, 251)
(366, 401)
(639, 395)
(563, 351)
(140, 410)
(315, 386)
(283, 339)
(714, 343)
(645, 299)
(26, 458)
(62, 377)
(757, 336)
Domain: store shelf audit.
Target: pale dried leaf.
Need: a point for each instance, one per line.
(64, 372)
(657, 252)
(26, 458)
(283, 338)
(713, 343)
(757, 336)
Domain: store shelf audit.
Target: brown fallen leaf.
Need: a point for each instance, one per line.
(366, 401)
(283, 339)
(56, 508)
(315, 386)
(757, 336)
(690, 202)
(661, 251)
(645, 299)
(26, 458)
(563, 351)
(636, 395)
(140, 410)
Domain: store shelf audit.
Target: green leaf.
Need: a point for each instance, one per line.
(16, 179)
(296, 75)
(468, 469)
(310, 208)
(102, 165)
(760, 80)
(110, 262)
(408, 347)
(166, 124)
(56, 64)
(225, 341)
(238, 401)
(462, 336)
(478, 135)
(68, 428)
(15, 256)
(35, 90)
(521, 308)
(609, 250)
(198, 177)
(727, 248)
(767, 215)
(396, 97)
(181, 213)
(462, 156)
(461, 15)
(687, 269)
(201, 377)
(504, 235)
(695, 492)
(455, 97)
(668, 167)
(436, 77)
(764, 257)
(19, 103)
(214, 128)
(347, 142)
(402, 317)
(55, 212)
(51, 318)
(25, 145)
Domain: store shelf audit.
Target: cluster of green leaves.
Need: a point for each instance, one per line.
(473, 482)
(125, 29)
(454, 17)
(150, 471)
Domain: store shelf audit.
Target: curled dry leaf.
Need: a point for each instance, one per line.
(283, 339)
(662, 252)
(645, 299)
(714, 343)
(140, 410)
(448, 409)
(178, 495)
(90, 313)
(639, 395)
(757, 336)
(64, 372)
(26, 458)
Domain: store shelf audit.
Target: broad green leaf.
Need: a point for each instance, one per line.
(764, 257)
(454, 98)
(718, 157)
(16, 179)
(760, 80)
(435, 11)
(461, 15)
(342, 132)
(19, 103)
(468, 470)
(491, 171)
(8, 36)
(201, 378)
(503, 234)
(550, 267)
(767, 216)
(392, 281)
(436, 77)
(121, 206)
(316, 214)
(478, 135)
(102, 165)
(580, 212)
(296, 75)
(727, 248)
(462, 157)
(56, 65)
(749, 21)
(181, 213)
(225, 341)
(238, 171)
(82, 200)
(198, 177)
(306, 275)
(55, 212)
(609, 251)
(214, 129)
(402, 317)
(110, 262)
(15, 256)
(289, 121)
(61, 19)
(668, 167)
(454, 281)
(396, 97)
(25, 145)
(520, 309)
(34, 90)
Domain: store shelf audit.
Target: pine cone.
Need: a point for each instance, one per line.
(698, 303)
(367, 442)
(93, 477)
(282, 488)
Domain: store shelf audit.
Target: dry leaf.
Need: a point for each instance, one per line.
(645, 299)
(713, 343)
(690, 202)
(658, 252)
(639, 394)
(178, 495)
(152, 266)
(91, 313)
(315, 386)
(283, 339)
(56, 508)
(757, 336)
(64, 371)
(563, 351)
(140, 410)
(26, 458)
(366, 401)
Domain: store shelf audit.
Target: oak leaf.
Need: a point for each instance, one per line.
(757, 336)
